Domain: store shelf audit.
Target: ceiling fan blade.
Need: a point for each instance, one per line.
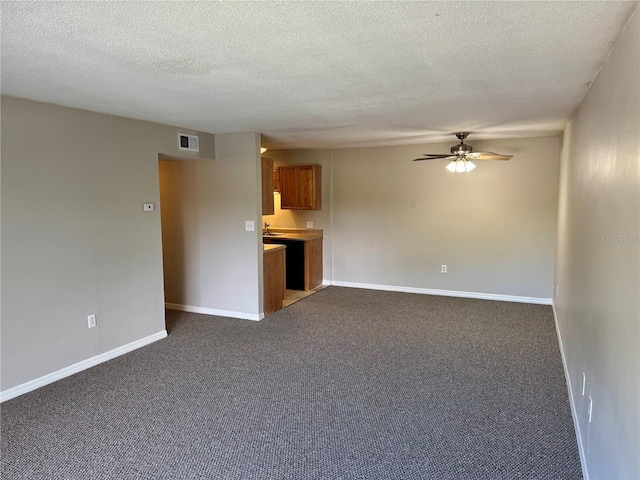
(483, 153)
(437, 157)
(489, 156)
(495, 157)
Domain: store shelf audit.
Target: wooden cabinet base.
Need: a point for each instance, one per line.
(304, 262)
(273, 267)
(313, 264)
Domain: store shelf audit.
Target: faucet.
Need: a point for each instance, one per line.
(266, 228)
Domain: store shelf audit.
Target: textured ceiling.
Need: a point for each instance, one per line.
(316, 74)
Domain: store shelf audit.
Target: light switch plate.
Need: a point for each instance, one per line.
(148, 207)
(249, 226)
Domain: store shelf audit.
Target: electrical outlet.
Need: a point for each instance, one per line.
(309, 224)
(590, 408)
(91, 320)
(584, 382)
(413, 204)
(250, 226)
(443, 269)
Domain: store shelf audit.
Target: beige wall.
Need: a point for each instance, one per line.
(598, 262)
(211, 263)
(494, 227)
(298, 219)
(75, 240)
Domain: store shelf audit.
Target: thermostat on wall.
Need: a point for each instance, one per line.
(188, 142)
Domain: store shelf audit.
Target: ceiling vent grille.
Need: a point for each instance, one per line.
(188, 142)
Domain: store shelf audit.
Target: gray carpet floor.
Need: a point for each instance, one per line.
(346, 384)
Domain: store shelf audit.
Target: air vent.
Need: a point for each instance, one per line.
(188, 142)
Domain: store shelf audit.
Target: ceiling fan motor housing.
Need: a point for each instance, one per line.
(461, 149)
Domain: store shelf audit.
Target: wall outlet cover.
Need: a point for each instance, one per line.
(309, 224)
(250, 226)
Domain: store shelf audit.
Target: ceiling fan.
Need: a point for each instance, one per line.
(461, 156)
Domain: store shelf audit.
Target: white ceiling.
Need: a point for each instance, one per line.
(316, 74)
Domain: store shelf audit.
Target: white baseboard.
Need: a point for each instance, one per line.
(78, 367)
(445, 293)
(574, 412)
(214, 311)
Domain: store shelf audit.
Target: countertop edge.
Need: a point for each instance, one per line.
(295, 233)
(271, 247)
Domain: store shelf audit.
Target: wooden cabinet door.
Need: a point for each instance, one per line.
(267, 186)
(288, 187)
(306, 188)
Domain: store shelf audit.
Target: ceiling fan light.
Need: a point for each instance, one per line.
(460, 166)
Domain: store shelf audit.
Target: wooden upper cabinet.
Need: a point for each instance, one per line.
(276, 180)
(288, 188)
(301, 187)
(267, 186)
